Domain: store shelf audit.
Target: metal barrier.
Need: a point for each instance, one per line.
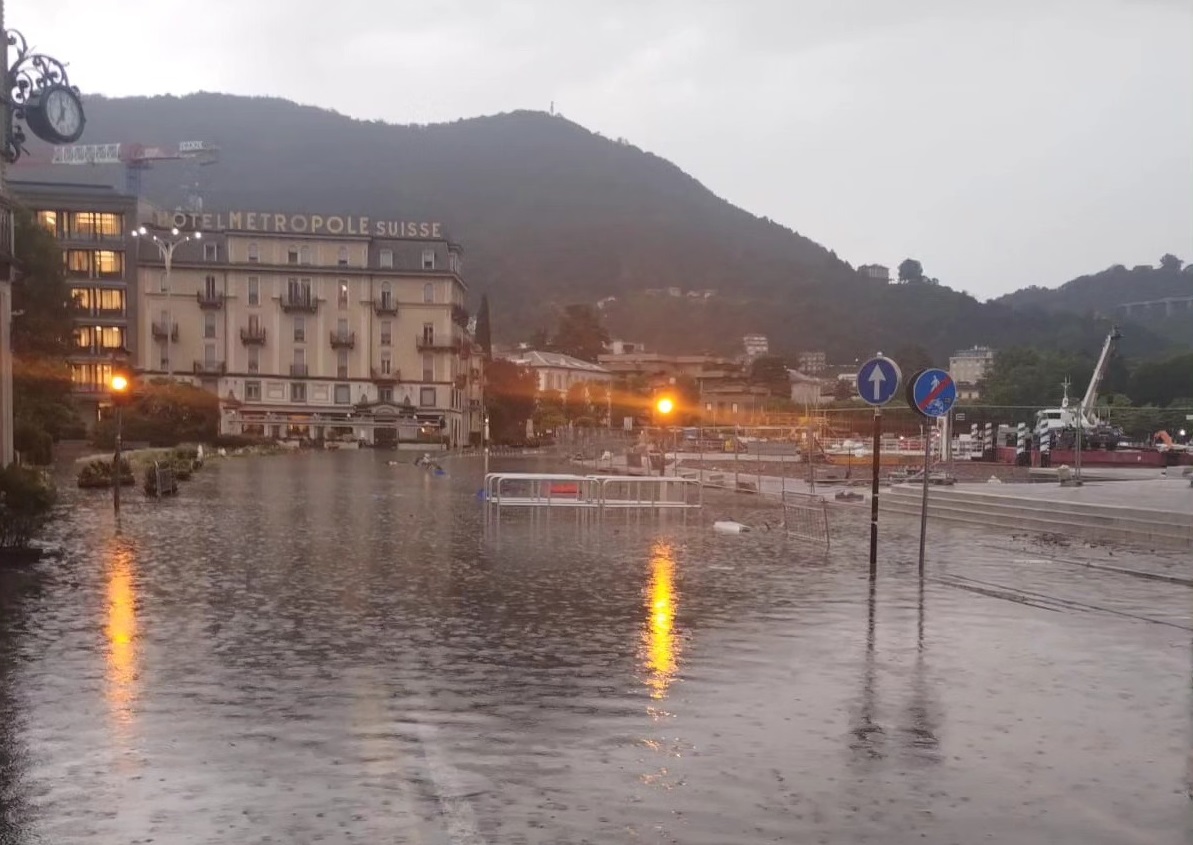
(553, 490)
(805, 517)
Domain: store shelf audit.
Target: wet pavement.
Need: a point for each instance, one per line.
(324, 648)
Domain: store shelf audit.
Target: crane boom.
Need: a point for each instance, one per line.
(1091, 393)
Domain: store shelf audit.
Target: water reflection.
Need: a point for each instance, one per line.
(121, 632)
(661, 644)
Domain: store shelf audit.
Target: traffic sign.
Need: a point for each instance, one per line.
(932, 392)
(878, 381)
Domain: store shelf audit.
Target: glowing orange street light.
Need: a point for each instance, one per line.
(665, 406)
(120, 388)
(119, 383)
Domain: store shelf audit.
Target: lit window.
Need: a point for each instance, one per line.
(428, 259)
(387, 258)
(252, 391)
(48, 220)
(108, 264)
(83, 298)
(426, 397)
(111, 301)
(110, 337)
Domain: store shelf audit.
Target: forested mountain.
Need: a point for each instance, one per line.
(550, 213)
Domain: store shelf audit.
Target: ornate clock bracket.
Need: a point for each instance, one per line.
(29, 79)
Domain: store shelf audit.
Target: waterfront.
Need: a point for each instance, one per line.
(322, 647)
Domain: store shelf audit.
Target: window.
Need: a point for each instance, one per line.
(386, 363)
(254, 256)
(209, 287)
(111, 301)
(428, 292)
(298, 391)
(428, 334)
(387, 337)
(342, 294)
(300, 329)
(385, 394)
(163, 357)
(387, 258)
(304, 255)
(428, 368)
(211, 252)
(84, 337)
(292, 255)
(163, 282)
(83, 298)
(299, 290)
(254, 290)
(342, 260)
(95, 225)
(254, 359)
(209, 355)
(109, 264)
(208, 324)
(300, 357)
(110, 337)
(428, 259)
(342, 327)
(426, 397)
(387, 295)
(254, 324)
(252, 391)
(342, 394)
(48, 220)
(341, 363)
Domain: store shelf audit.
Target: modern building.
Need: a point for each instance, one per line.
(92, 224)
(969, 366)
(756, 345)
(812, 363)
(876, 271)
(558, 372)
(316, 326)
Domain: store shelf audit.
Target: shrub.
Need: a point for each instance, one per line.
(26, 501)
(36, 445)
(98, 473)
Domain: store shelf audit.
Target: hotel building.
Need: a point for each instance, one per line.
(311, 326)
(91, 224)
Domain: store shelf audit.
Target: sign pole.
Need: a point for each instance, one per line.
(875, 463)
(924, 494)
(931, 393)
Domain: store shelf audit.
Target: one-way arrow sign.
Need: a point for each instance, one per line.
(878, 380)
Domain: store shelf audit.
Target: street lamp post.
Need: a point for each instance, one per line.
(165, 247)
(120, 386)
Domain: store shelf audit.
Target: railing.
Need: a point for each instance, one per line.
(159, 331)
(521, 489)
(308, 303)
(210, 368)
(386, 378)
(343, 340)
(805, 517)
(208, 300)
(253, 335)
(389, 307)
(299, 370)
(432, 344)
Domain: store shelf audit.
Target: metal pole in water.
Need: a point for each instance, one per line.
(875, 464)
(924, 495)
(117, 475)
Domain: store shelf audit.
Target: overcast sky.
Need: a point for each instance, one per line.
(1001, 142)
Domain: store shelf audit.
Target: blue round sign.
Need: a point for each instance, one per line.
(878, 381)
(933, 392)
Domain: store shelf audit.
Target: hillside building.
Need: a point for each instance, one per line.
(812, 363)
(312, 326)
(969, 366)
(92, 225)
(876, 271)
(756, 346)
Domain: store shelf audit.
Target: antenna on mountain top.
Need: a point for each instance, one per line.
(552, 107)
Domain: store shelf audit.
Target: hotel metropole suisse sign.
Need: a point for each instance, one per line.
(276, 223)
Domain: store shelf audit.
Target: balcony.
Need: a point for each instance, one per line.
(159, 331)
(433, 344)
(386, 378)
(301, 303)
(253, 336)
(385, 307)
(210, 368)
(343, 340)
(299, 370)
(209, 300)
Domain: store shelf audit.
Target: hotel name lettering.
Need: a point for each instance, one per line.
(300, 224)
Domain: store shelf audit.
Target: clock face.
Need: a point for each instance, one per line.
(63, 114)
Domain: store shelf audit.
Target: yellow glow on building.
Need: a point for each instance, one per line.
(661, 643)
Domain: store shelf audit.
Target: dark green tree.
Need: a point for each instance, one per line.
(580, 333)
(911, 357)
(539, 340)
(1170, 262)
(484, 329)
(770, 372)
(576, 402)
(509, 398)
(911, 270)
(550, 411)
(843, 391)
(1160, 382)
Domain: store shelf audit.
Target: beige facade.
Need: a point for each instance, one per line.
(301, 336)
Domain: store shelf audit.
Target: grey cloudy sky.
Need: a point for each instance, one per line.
(1002, 142)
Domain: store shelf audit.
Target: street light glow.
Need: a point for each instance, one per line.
(174, 231)
(665, 405)
(119, 383)
(198, 236)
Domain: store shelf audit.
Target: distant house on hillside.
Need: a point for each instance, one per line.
(556, 371)
(876, 271)
(805, 389)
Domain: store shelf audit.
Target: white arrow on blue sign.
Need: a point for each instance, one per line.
(878, 380)
(934, 392)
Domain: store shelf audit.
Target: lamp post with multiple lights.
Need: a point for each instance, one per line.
(166, 243)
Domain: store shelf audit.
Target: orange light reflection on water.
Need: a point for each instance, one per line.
(121, 633)
(661, 643)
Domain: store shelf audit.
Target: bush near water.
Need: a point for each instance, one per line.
(26, 501)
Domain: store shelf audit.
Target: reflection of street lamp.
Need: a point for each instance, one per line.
(120, 388)
(166, 246)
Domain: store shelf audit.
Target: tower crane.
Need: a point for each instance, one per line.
(136, 158)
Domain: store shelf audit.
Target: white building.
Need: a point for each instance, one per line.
(876, 271)
(969, 366)
(756, 345)
(556, 371)
(805, 389)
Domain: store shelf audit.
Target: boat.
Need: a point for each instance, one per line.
(1060, 426)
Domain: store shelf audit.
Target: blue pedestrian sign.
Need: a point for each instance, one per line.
(932, 393)
(878, 381)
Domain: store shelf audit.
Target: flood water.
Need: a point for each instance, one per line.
(326, 648)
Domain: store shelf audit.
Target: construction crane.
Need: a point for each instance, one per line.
(136, 158)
